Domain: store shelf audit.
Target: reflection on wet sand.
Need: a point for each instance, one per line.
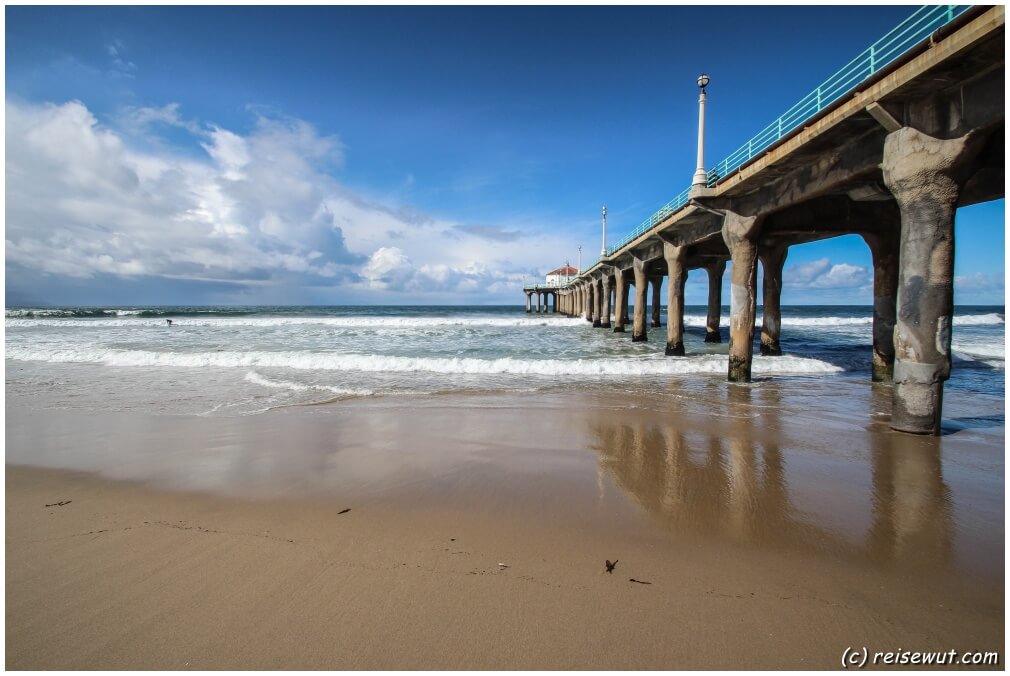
(729, 476)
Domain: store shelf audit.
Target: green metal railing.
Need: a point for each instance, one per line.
(906, 35)
(547, 285)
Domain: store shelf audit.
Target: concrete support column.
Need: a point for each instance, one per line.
(620, 301)
(538, 302)
(554, 302)
(597, 303)
(676, 278)
(605, 317)
(884, 249)
(740, 234)
(590, 301)
(773, 259)
(638, 333)
(529, 302)
(715, 273)
(925, 175)
(657, 285)
(624, 303)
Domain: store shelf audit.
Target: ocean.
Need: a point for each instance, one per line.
(233, 361)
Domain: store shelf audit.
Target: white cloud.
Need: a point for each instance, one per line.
(822, 274)
(979, 282)
(261, 208)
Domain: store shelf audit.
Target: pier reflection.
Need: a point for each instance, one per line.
(746, 476)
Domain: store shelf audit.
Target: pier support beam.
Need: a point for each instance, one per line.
(676, 278)
(715, 273)
(638, 333)
(740, 234)
(529, 302)
(884, 249)
(554, 302)
(607, 290)
(538, 303)
(590, 300)
(597, 303)
(657, 285)
(925, 175)
(624, 303)
(620, 301)
(773, 259)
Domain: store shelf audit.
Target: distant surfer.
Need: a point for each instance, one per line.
(169, 321)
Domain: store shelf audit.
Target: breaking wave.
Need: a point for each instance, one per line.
(371, 363)
(257, 379)
(135, 318)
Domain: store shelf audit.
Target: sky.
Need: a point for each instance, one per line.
(396, 155)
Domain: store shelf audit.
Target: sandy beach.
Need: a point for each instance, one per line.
(478, 528)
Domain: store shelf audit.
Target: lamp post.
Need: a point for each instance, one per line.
(580, 260)
(603, 251)
(700, 176)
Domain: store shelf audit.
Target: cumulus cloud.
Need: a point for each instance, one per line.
(86, 199)
(81, 202)
(979, 282)
(822, 274)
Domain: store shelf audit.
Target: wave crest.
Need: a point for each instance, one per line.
(373, 363)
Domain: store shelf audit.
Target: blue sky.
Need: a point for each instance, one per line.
(394, 155)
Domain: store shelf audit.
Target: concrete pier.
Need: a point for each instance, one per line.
(638, 333)
(676, 278)
(925, 175)
(884, 250)
(597, 303)
(740, 232)
(620, 301)
(715, 272)
(607, 291)
(889, 160)
(529, 302)
(657, 285)
(625, 296)
(773, 259)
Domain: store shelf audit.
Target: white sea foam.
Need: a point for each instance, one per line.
(126, 319)
(257, 379)
(335, 322)
(627, 366)
(987, 351)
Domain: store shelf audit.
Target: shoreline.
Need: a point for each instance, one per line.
(218, 542)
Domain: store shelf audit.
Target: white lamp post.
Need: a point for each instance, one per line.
(580, 260)
(603, 251)
(700, 176)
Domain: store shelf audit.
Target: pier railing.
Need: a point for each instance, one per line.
(546, 285)
(906, 35)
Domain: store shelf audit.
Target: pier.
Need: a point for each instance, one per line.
(887, 148)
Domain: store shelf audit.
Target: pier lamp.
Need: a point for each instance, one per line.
(580, 260)
(700, 176)
(603, 251)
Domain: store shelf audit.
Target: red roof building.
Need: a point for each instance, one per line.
(566, 271)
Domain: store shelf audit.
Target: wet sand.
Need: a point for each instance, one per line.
(775, 526)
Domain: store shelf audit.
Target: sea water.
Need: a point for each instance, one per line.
(247, 360)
